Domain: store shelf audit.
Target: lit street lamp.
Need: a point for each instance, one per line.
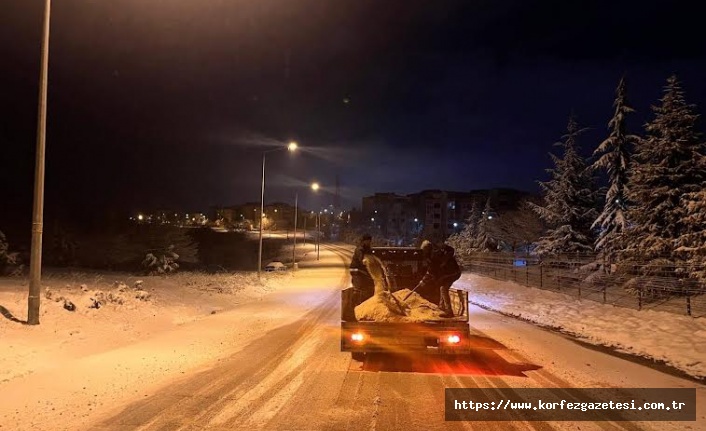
(292, 146)
(318, 234)
(35, 264)
(294, 247)
(314, 187)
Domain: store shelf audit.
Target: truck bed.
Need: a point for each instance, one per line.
(351, 298)
(441, 336)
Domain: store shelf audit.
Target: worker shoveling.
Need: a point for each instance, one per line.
(386, 306)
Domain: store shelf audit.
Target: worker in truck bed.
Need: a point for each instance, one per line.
(361, 278)
(442, 270)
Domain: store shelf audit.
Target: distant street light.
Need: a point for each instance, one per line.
(314, 187)
(292, 146)
(35, 263)
(318, 234)
(294, 247)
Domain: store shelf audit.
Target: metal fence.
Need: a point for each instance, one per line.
(583, 277)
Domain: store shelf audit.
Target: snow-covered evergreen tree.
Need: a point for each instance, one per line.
(613, 156)
(667, 165)
(691, 244)
(464, 242)
(485, 239)
(570, 200)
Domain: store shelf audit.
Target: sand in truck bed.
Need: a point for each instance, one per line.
(391, 307)
(385, 306)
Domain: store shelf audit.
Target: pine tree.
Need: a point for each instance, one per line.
(464, 242)
(569, 200)
(485, 240)
(691, 245)
(668, 164)
(614, 157)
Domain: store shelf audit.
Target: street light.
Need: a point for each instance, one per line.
(291, 147)
(314, 187)
(294, 248)
(318, 234)
(35, 263)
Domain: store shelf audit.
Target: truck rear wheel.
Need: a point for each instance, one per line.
(358, 356)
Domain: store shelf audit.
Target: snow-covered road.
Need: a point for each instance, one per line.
(282, 369)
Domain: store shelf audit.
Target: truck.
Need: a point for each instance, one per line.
(443, 336)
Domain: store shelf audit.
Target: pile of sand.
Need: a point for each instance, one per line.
(390, 307)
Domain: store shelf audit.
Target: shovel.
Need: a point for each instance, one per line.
(410, 293)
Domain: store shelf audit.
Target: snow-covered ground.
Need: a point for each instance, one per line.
(64, 335)
(78, 364)
(79, 367)
(678, 341)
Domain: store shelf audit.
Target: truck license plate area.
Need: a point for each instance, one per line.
(431, 342)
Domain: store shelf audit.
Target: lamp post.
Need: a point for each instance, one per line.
(294, 247)
(314, 187)
(292, 146)
(35, 265)
(318, 234)
(305, 230)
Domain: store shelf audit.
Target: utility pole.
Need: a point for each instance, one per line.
(318, 234)
(262, 215)
(35, 264)
(294, 248)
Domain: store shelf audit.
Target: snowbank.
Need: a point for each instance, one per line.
(678, 341)
(87, 313)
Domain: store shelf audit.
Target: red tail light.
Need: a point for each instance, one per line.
(358, 337)
(453, 339)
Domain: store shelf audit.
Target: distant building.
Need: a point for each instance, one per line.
(406, 219)
(390, 216)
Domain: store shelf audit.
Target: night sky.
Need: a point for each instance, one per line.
(169, 103)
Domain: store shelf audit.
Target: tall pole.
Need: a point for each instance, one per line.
(318, 235)
(35, 265)
(294, 249)
(262, 213)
